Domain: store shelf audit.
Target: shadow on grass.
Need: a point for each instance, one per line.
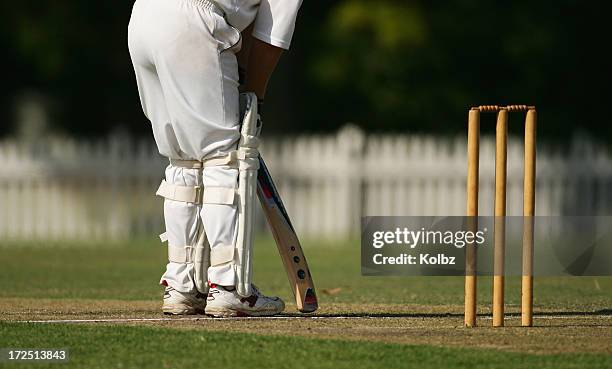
(603, 312)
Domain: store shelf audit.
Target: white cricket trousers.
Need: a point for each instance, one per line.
(183, 52)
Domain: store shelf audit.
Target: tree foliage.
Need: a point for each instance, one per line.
(417, 65)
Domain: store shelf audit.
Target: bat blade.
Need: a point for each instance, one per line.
(287, 241)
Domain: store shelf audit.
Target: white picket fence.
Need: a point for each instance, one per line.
(64, 189)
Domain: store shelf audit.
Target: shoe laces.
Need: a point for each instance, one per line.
(256, 291)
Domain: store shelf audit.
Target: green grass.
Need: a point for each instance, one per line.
(131, 272)
(146, 347)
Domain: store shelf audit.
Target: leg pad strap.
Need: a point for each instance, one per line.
(197, 194)
(222, 254)
(192, 194)
(181, 254)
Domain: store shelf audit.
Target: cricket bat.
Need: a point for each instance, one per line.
(287, 241)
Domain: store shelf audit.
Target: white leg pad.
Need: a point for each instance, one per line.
(187, 246)
(248, 164)
(201, 262)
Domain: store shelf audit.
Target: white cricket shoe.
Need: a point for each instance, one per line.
(224, 303)
(179, 303)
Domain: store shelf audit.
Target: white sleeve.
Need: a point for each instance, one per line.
(275, 21)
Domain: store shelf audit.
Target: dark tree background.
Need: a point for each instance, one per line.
(385, 65)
